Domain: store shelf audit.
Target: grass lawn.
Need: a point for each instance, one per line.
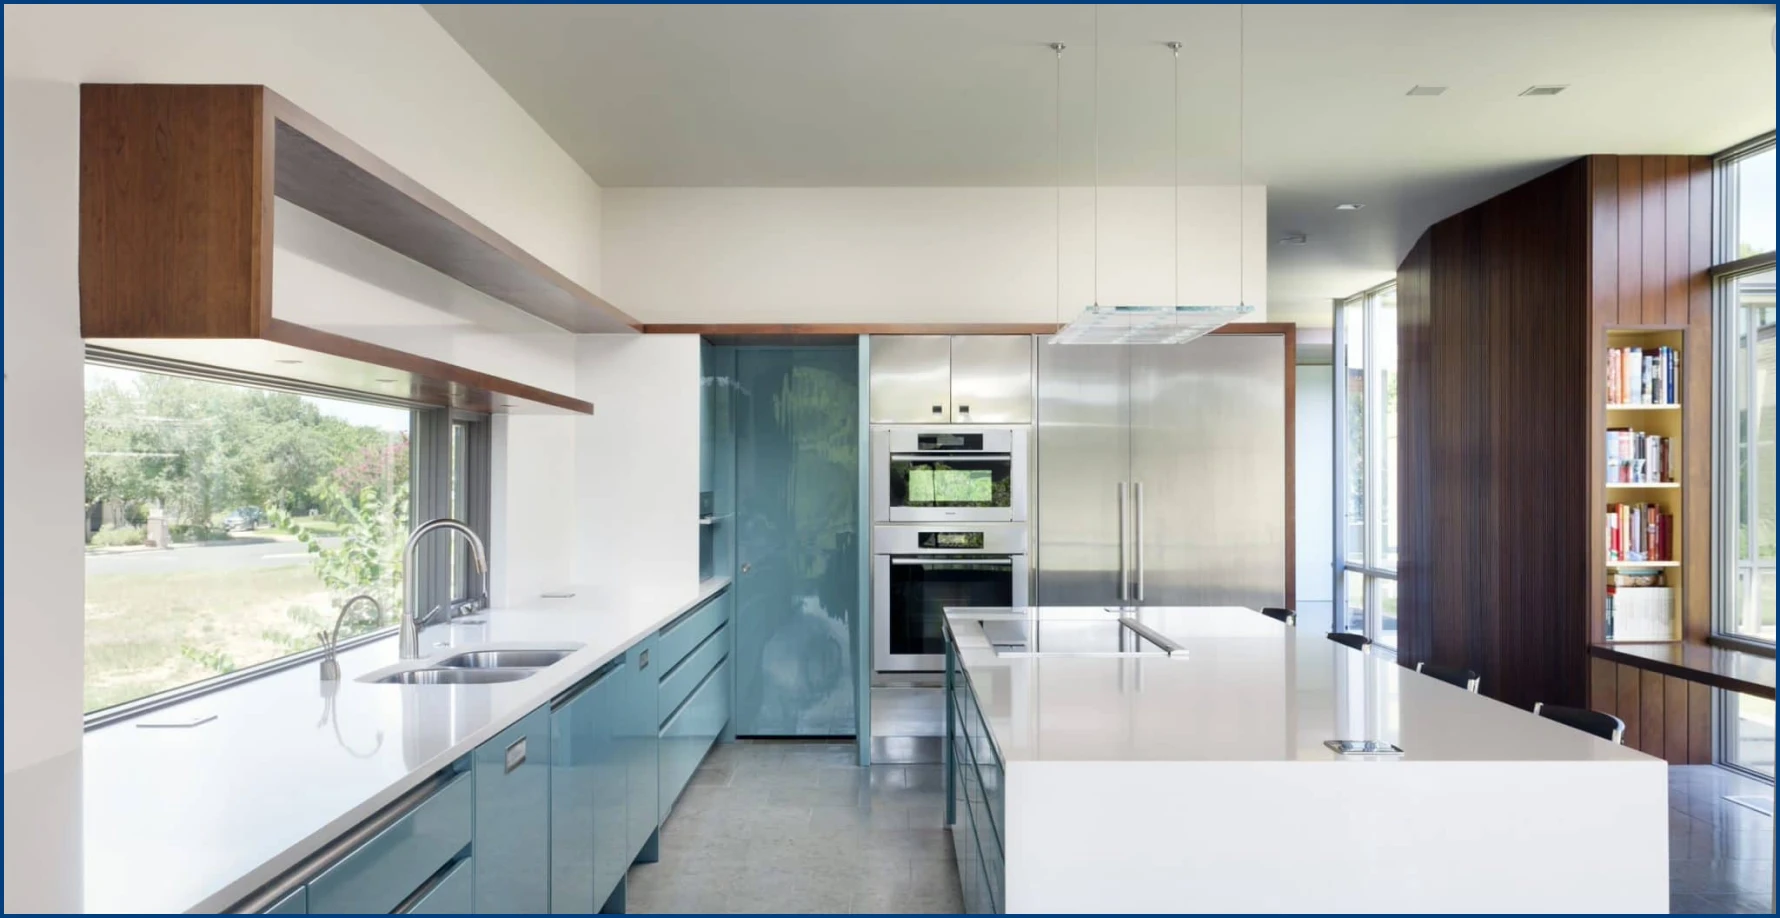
(137, 623)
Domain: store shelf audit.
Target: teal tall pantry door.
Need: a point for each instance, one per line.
(797, 561)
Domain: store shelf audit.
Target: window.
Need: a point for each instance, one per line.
(1366, 419)
(227, 522)
(1744, 546)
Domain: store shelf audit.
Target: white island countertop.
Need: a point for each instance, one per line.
(1200, 782)
(196, 819)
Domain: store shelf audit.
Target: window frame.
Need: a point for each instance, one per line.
(1370, 568)
(422, 481)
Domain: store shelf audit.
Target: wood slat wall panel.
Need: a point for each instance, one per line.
(1603, 687)
(1493, 319)
(1699, 724)
(1628, 308)
(1675, 245)
(1675, 713)
(1651, 285)
(1650, 715)
(1629, 708)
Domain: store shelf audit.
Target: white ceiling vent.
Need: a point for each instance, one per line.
(1543, 90)
(1425, 90)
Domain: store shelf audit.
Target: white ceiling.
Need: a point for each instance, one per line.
(766, 95)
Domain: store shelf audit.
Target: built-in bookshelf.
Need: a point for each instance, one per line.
(1642, 478)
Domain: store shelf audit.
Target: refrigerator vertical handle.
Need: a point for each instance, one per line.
(1124, 551)
(1137, 539)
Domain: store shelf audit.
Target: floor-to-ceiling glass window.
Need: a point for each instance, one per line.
(1745, 543)
(1366, 429)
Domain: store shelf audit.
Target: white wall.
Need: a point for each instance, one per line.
(1314, 470)
(390, 78)
(637, 459)
(923, 254)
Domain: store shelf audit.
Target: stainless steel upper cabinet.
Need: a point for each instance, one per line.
(1208, 449)
(911, 379)
(1082, 512)
(991, 379)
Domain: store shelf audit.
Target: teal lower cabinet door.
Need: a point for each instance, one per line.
(512, 841)
(297, 903)
(384, 872)
(587, 795)
(639, 740)
(452, 894)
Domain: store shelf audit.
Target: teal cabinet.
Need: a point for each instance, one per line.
(453, 894)
(512, 848)
(384, 872)
(689, 732)
(693, 696)
(297, 903)
(798, 605)
(587, 821)
(639, 738)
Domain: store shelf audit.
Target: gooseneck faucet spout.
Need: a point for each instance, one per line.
(411, 619)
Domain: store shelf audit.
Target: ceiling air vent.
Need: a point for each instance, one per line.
(1425, 90)
(1543, 90)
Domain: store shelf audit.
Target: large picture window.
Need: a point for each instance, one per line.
(226, 524)
(1366, 428)
(1744, 543)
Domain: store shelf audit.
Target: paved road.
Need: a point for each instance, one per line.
(245, 553)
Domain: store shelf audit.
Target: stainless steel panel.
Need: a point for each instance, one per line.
(906, 540)
(991, 379)
(911, 379)
(1209, 448)
(1083, 454)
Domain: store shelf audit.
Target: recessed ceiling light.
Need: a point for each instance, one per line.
(1425, 90)
(1349, 206)
(1550, 90)
(1294, 239)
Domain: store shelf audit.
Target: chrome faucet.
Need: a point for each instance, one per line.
(411, 621)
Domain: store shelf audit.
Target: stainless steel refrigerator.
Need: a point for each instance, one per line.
(1163, 473)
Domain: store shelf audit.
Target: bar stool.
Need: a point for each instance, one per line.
(1356, 641)
(1283, 615)
(1600, 723)
(1466, 679)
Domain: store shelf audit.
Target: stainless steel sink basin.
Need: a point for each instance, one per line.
(503, 659)
(456, 676)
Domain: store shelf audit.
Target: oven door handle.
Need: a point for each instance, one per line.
(965, 562)
(954, 454)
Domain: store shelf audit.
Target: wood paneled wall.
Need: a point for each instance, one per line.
(1650, 231)
(1664, 716)
(1503, 311)
(1493, 333)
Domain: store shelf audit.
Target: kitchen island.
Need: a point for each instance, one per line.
(1096, 771)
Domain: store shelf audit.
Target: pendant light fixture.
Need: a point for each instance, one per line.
(1131, 324)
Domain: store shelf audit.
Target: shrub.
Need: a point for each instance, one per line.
(196, 532)
(110, 536)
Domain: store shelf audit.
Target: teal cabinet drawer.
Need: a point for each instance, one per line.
(678, 639)
(587, 794)
(690, 732)
(512, 872)
(453, 894)
(297, 903)
(383, 872)
(640, 735)
(679, 682)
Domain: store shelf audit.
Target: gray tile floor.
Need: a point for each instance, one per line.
(1721, 855)
(798, 827)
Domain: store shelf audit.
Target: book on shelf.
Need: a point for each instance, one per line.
(1635, 457)
(1643, 376)
(1640, 614)
(1639, 532)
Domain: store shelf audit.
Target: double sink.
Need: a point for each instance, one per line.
(480, 667)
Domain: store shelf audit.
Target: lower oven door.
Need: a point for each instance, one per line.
(913, 592)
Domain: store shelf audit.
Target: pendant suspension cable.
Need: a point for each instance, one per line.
(1057, 128)
(1097, 154)
(1241, 165)
(1174, 46)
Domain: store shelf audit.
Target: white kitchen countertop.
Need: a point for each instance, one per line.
(197, 819)
(1249, 689)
